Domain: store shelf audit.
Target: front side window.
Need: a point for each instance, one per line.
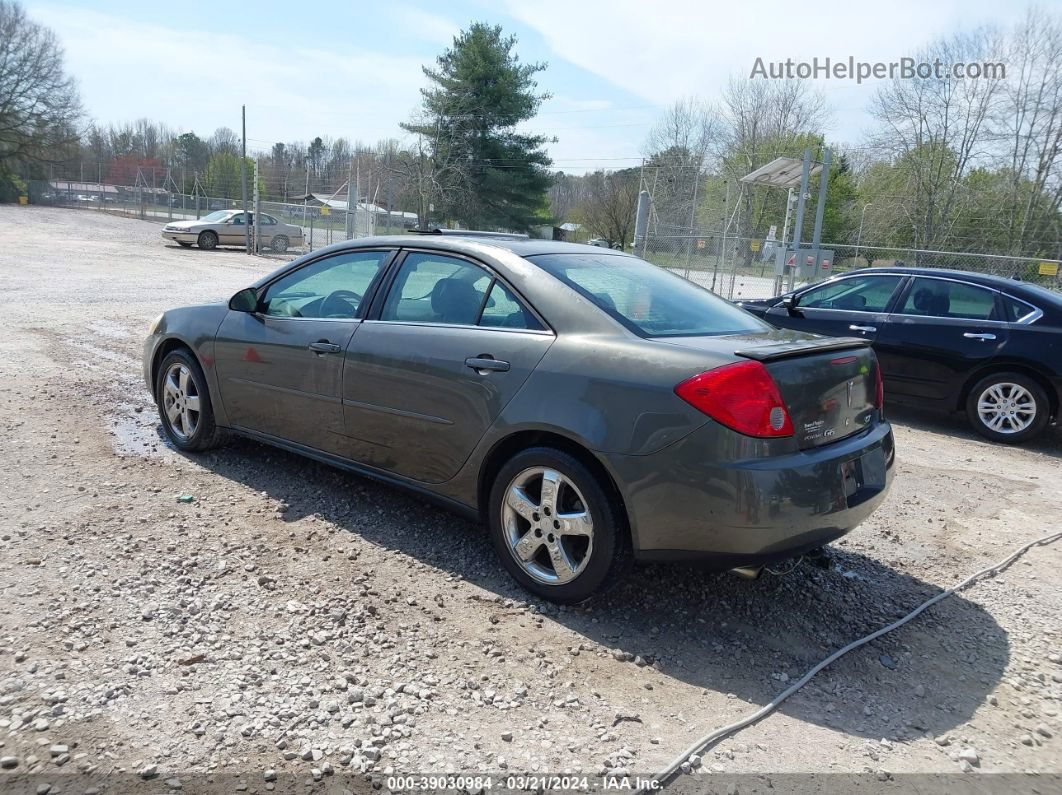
(857, 294)
(648, 300)
(938, 298)
(333, 287)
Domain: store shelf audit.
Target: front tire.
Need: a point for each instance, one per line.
(208, 240)
(183, 399)
(556, 528)
(1008, 407)
(183, 244)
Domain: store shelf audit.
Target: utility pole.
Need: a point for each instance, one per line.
(306, 193)
(243, 185)
(820, 208)
(859, 235)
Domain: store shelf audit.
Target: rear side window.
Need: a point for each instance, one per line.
(435, 288)
(649, 300)
(1017, 311)
(858, 294)
(939, 298)
(503, 310)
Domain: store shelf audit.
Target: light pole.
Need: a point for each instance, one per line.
(859, 235)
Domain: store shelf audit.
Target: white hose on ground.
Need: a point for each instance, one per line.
(718, 734)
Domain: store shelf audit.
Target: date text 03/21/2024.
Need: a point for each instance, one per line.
(521, 783)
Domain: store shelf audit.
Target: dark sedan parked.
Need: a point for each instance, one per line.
(589, 407)
(946, 340)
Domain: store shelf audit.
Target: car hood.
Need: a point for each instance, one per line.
(185, 224)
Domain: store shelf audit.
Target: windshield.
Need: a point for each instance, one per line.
(217, 215)
(649, 300)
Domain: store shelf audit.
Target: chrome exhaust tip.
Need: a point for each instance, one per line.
(748, 572)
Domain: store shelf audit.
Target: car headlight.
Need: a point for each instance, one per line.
(155, 323)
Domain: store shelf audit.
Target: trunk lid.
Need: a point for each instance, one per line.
(829, 385)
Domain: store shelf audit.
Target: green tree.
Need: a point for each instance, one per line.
(222, 176)
(479, 92)
(191, 154)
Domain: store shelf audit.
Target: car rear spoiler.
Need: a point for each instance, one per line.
(784, 350)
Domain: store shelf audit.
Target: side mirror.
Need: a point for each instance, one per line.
(790, 302)
(246, 300)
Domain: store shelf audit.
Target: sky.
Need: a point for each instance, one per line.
(353, 69)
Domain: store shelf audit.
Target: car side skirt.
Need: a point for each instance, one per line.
(382, 476)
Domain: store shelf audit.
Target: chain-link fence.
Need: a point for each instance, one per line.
(320, 223)
(749, 267)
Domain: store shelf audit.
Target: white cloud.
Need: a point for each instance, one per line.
(198, 78)
(668, 49)
(426, 25)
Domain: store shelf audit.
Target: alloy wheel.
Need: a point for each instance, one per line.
(1006, 407)
(547, 525)
(181, 401)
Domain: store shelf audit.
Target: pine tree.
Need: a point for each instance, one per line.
(479, 92)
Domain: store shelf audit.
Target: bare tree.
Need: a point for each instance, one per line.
(1029, 124)
(765, 120)
(682, 144)
(607, 209)
(431, 176)
(39, 105)
(934, 131)
(224, 141)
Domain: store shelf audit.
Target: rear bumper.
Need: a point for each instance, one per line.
(684, 503)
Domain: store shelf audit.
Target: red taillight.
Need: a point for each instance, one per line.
(741, 396)
(879, 398)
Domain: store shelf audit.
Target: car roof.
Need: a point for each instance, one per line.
(523, 247)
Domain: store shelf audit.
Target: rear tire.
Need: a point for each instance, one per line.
(183, 400)
(1008, 407)
(556, 527)
(279, 244)
(208, 240)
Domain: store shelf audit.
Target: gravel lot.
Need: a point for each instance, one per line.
(298, 622)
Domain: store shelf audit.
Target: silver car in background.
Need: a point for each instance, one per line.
(228, 228)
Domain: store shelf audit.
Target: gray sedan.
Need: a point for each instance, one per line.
(590, 408)
(229, 228)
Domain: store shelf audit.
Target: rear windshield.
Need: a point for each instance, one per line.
(650, 301)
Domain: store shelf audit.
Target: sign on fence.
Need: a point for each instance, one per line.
(1049, 269)
(326, 211)
(754, 245)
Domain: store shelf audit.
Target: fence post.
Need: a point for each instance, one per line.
(641, 223)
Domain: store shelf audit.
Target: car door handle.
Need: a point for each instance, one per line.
(323, 346)
(868, 329)
(971, 336)
(487, 363)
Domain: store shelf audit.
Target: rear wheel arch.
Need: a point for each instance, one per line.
(506, 448)
(1013, 367)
